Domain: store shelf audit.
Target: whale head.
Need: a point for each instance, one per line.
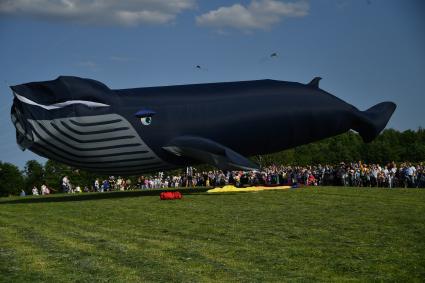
(77, 121)
(63, 97)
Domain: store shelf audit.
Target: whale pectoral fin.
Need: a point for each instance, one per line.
(208, 151)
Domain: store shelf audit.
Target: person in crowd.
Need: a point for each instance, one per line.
(112, 182)
(411, 175)
(44, 190)
(120, 185)
(128, 184)
(65, 184)
(96, 185)
(35, 191)
(105, 186)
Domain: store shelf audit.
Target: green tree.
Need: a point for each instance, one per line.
(11, 179)
(34, 174)
(390, 145)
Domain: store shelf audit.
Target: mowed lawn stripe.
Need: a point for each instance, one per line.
(131, 253)
(163, 248)
(96, 253)
(25, 260)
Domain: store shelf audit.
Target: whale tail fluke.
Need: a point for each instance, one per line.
(373, 120)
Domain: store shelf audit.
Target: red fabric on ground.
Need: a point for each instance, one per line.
(170, 195)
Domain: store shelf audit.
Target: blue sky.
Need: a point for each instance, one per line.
(366, 51)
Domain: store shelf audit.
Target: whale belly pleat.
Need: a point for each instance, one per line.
(90, 131)
(68, 132)
(49, 129)
(104, 143)
(75, 138)
(98, 123)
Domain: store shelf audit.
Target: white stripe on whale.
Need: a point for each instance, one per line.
(71, 135)
(74, 140)
(68, 130)
(60, 104)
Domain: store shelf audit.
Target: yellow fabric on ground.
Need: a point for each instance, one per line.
(230, 188)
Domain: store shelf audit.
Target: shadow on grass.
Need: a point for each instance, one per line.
(100, 196)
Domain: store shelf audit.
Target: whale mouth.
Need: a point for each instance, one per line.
(62, 92)
(59, 105)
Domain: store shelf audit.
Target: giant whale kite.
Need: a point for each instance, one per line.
(83, 123)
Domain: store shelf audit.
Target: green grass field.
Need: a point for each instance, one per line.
(309, 234)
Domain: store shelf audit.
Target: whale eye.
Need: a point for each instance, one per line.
(146, 120)
(145, 116)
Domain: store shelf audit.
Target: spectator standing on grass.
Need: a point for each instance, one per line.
(120, 183)
(70, 188)
(145, 184)
(128, 184)
(65, 184)
(411, 174)
(311, 181)
(96, 185)
(374, 176)
(68, 185)
(44, 190)
(139, 182)
(34, 191)
(421, 178)
(405, 175)
(111, 182)
(105, 185)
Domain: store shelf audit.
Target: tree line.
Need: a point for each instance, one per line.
(390, 145)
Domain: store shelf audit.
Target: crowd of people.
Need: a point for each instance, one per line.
(356, 174)
(350, 174)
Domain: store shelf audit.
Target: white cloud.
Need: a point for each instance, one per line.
(259, 14)
(110, 12)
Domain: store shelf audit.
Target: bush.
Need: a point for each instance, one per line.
(11, 179)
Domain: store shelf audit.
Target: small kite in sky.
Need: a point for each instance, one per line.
(201, 68)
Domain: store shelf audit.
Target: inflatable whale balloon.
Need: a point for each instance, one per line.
(83, 123)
